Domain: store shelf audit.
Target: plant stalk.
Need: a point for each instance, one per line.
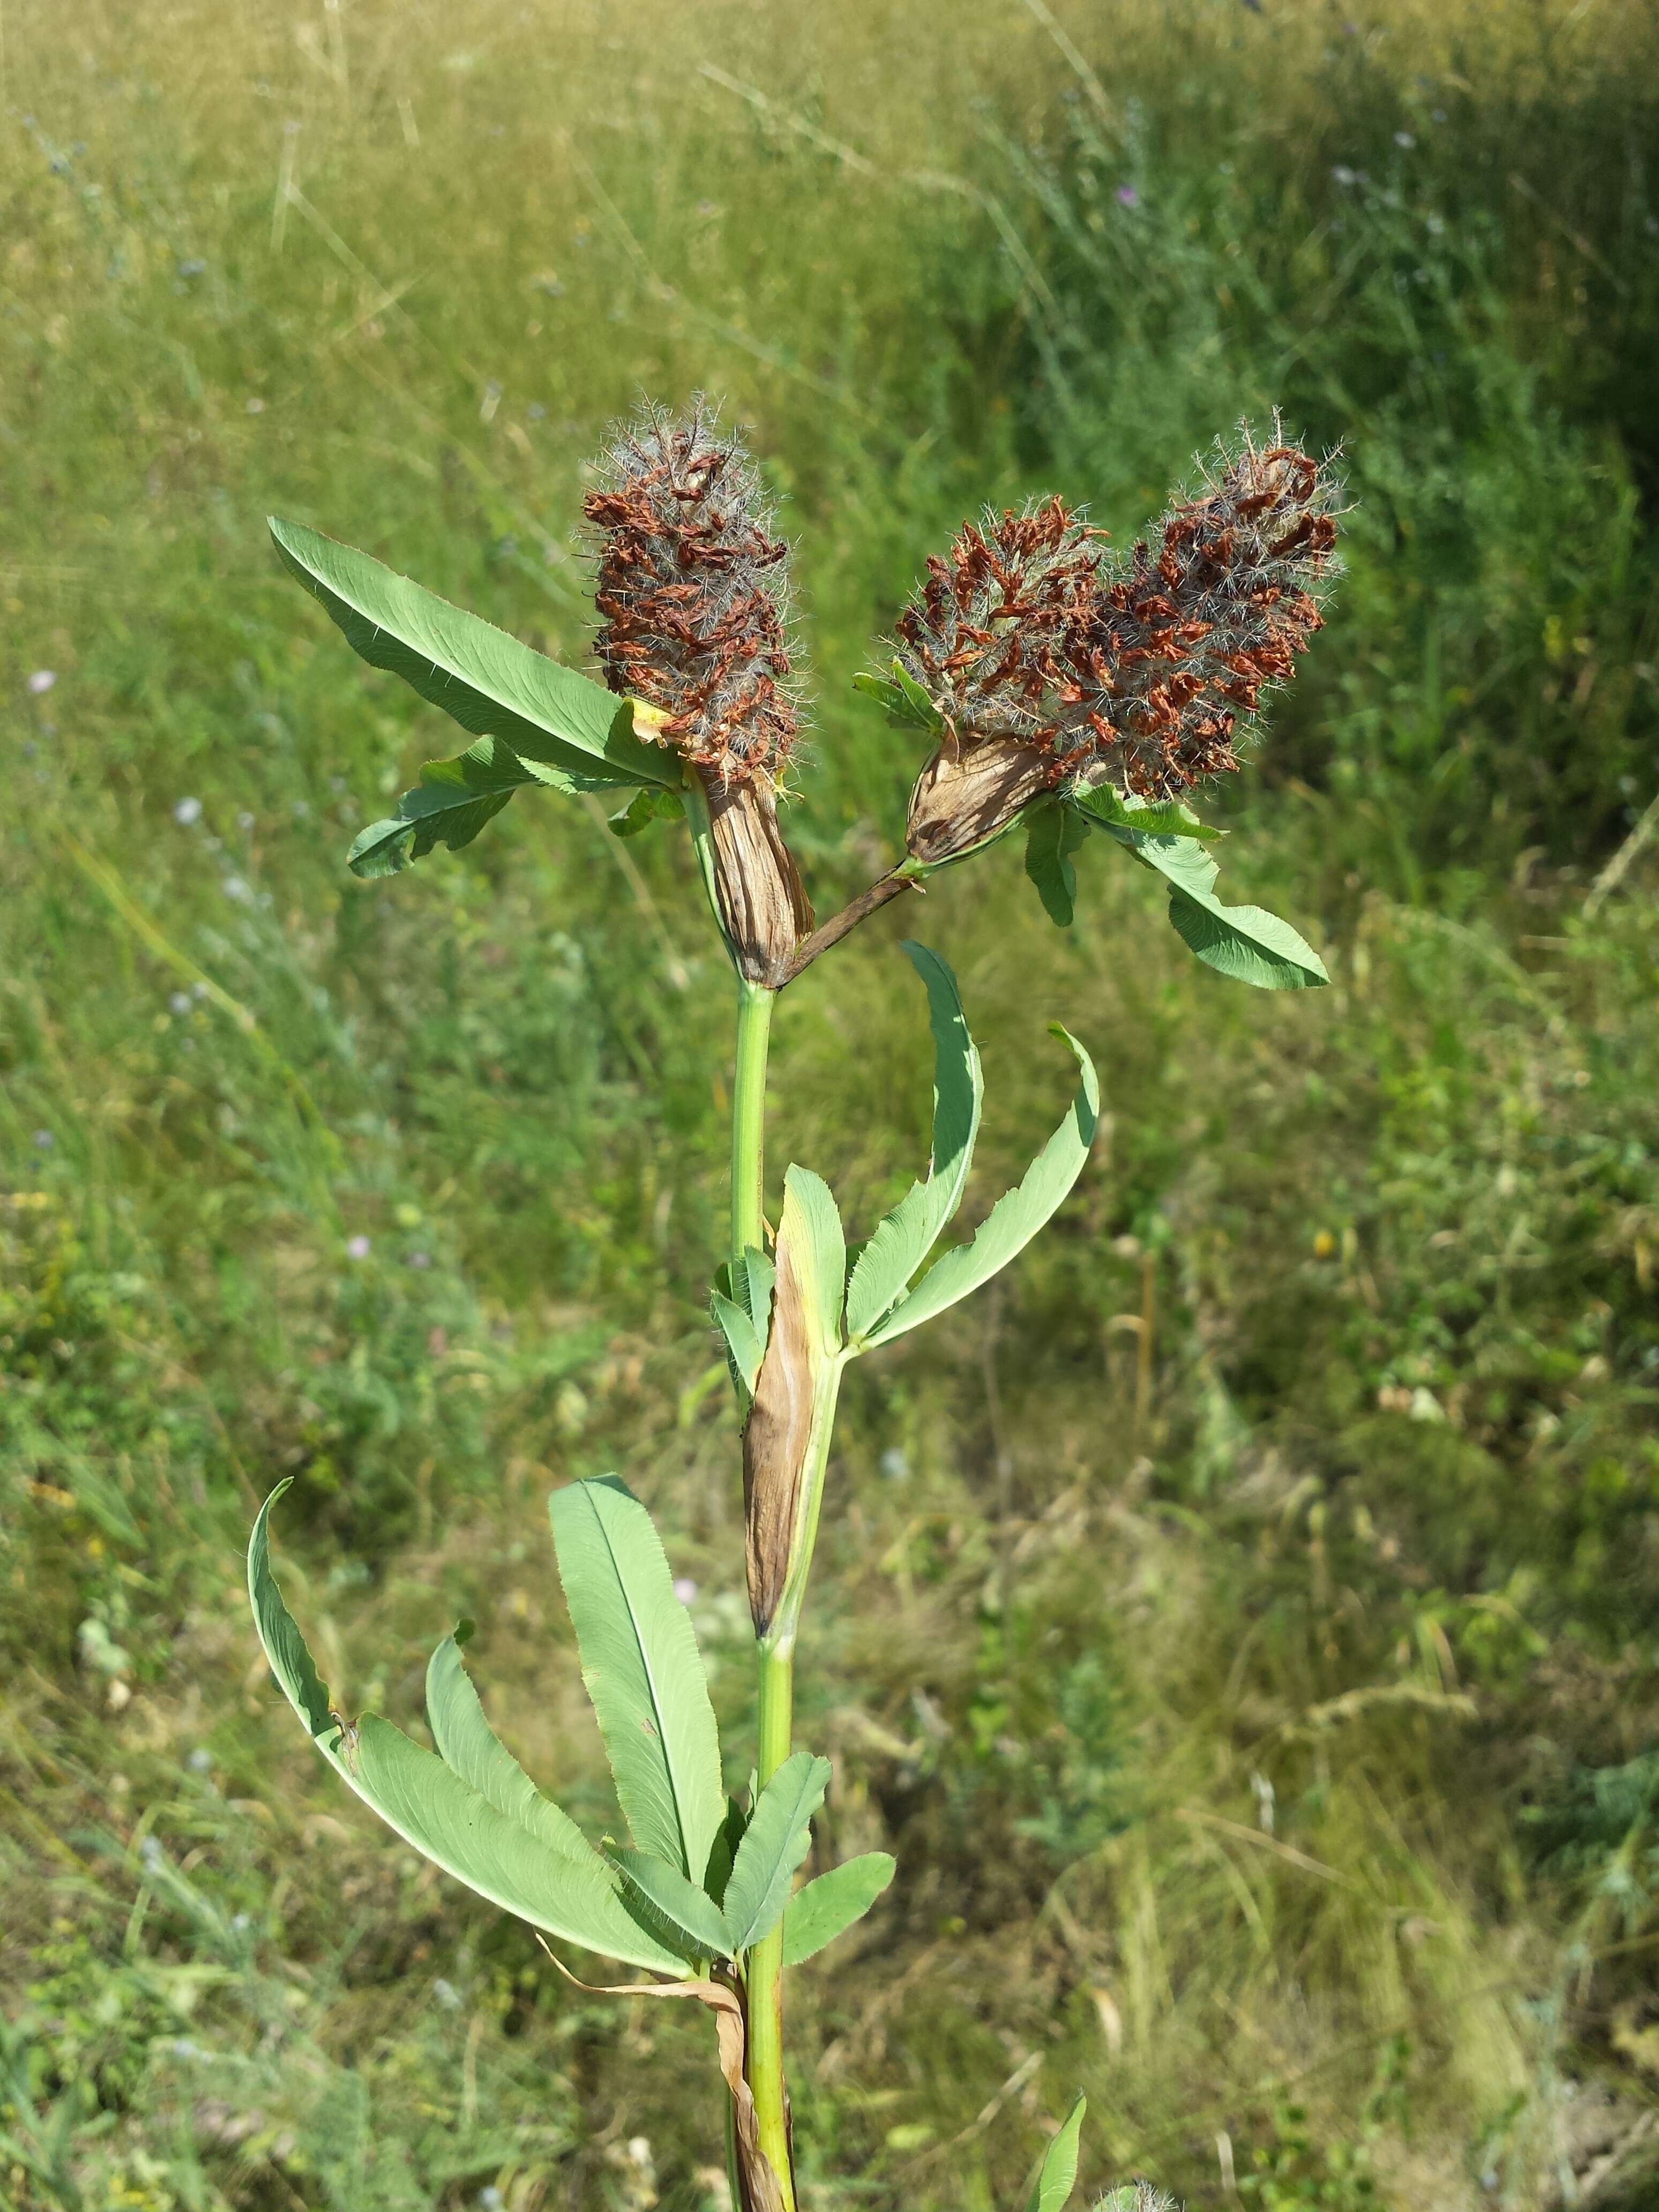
(776, 1655)
(748, 1119)
(763, 2007)
(765, 1983)
(841, 925)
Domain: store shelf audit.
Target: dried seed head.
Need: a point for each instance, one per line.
(988, 637)
(693, 591)
(1053, 665)
(1186, 641)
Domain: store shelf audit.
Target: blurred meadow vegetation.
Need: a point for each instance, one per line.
(1242, 1627)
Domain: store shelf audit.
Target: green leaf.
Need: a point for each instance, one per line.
(774, 1844)
(1181, 860)
(904, 1239)
(643, 808)
(284, 1647)
(725, 1849)
(743, 1339)
(1245, 942)
(567, 1892)
(1104, 807)
(674, 1905)
(1248, 943)
(491, 683)
(829, 1906)
(451, 804)
(812, 1226)
(535, 1866)
(745, 1316)
(752, 1287)
(1052, 834)
(643, 1671)
(885, 693)
(469, 1747)
(924, 713)
(1014, 1220)
(1057, 2177)
(906, 703)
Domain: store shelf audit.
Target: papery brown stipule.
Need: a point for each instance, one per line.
(763, 907)
(968, 793)
(776, 1438)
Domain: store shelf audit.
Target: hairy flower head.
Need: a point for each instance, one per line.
(1187, 639)
(989, 634)
(1053, 665)
(988, 637)
(693, 591)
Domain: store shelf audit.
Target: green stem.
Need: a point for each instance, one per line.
(733, 2177)
(776, 1657)
(749, 1118)
(765, 1991)
(764, 2005)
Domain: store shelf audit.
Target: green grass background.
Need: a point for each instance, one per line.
(1241, 1622)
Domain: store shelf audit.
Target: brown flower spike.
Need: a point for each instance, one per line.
(693, 588)
(1053, 666)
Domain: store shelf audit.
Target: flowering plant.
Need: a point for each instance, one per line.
(1060, 689)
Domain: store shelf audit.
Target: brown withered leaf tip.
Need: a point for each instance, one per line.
(1135, 671)
(775, 1437)
(693, 588)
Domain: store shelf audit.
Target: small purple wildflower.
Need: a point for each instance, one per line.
(358, 1248)
(1127, 197)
